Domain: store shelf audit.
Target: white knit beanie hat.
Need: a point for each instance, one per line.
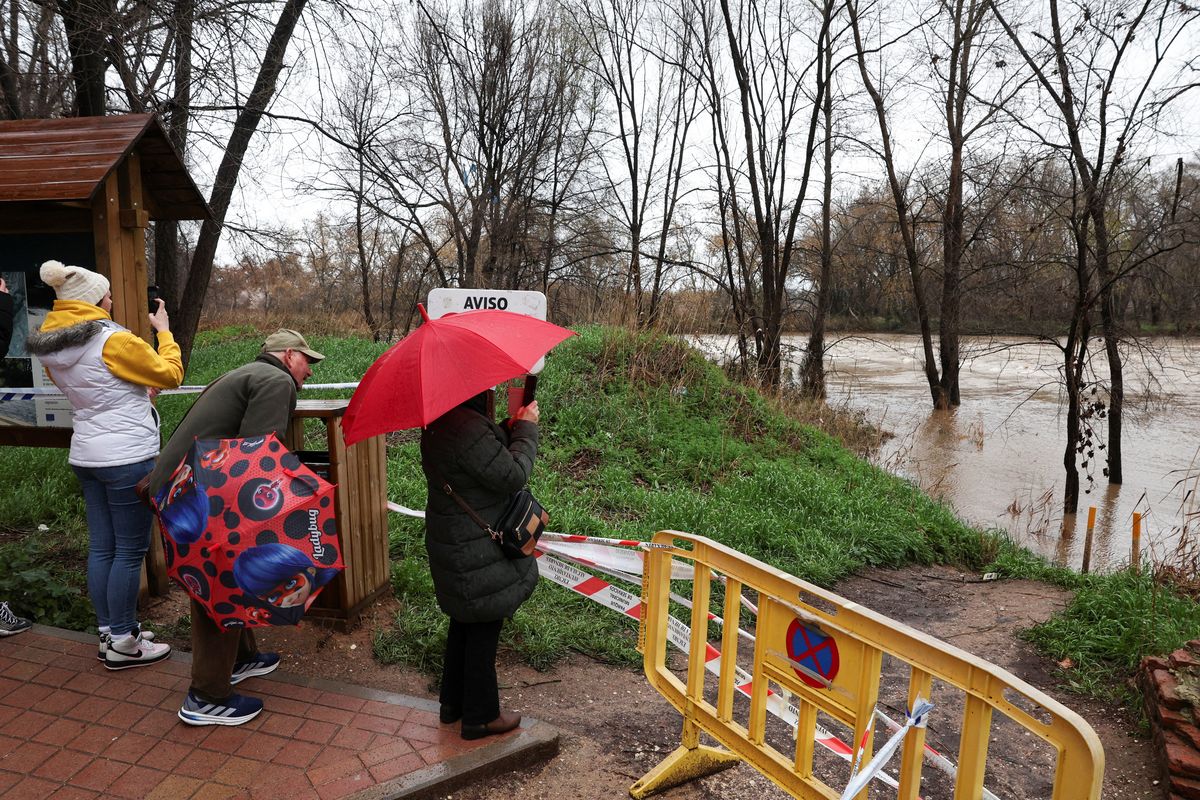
(75, 283)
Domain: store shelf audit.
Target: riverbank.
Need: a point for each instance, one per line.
(639, 434)
(837, 325)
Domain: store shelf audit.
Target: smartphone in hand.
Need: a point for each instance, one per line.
(519, 396)
(152, 296)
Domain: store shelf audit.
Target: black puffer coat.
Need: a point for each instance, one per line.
(484, 464)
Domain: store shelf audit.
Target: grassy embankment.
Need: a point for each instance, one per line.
(639, 434)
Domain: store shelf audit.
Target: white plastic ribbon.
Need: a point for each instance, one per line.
(916, 719)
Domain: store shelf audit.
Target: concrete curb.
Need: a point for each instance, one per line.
(536, 742)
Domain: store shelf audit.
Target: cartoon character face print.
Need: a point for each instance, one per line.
(183, 507)
(181, 482)
(280, 577)
(268, 497)
(213, 459)
(292, 592)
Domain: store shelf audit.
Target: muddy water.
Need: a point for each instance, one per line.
(997, 459)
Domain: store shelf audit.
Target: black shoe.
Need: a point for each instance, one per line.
(501, 724)
(449, 714)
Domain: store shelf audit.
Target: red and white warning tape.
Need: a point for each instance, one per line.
(679, 635)
(612, 557)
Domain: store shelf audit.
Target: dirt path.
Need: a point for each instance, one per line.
(615, 728)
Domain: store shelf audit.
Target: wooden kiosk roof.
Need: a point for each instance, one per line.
(67, 161)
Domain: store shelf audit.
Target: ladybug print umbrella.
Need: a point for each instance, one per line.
(249, 531)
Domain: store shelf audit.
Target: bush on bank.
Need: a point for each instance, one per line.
(640, 433)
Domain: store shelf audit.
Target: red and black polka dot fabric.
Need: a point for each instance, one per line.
(249, 531)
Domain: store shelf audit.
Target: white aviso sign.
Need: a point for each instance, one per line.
(454, 301)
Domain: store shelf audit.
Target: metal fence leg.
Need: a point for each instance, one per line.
(689, 761)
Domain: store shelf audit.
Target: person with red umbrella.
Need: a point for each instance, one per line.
(256, 399)
(477, 586)
(439, 378)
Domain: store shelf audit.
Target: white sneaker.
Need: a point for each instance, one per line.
(141, 633)
(132, 651)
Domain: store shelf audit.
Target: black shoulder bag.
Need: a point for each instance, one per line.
(519, 527)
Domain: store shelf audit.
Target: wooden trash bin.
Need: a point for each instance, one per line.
(360, 505)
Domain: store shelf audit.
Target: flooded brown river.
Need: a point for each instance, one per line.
(997, 459)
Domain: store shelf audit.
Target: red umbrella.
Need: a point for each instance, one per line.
(248, 531)
(442, 363)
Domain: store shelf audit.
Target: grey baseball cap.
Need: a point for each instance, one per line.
(288, 339)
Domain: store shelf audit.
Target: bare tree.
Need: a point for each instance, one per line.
(642, 57)
(1106, 93)
(778, 89)
(492, 87)
(35, 71)
(187, 315)
(972, 83)
(812, 367)
(898, 184)
(89, 26)
(168, 249)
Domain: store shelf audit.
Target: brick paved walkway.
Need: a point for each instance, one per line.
(69, 728)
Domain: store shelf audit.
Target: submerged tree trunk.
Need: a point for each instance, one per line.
(812, 368)
(1074, 360)
(903, 220)
(1073, 371)
(1108, 326)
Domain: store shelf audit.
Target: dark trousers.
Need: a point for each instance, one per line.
(214, 652)
(469, 674)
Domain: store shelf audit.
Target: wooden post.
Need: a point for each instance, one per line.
(129, 304)
(1087, 539)
(1135, 554)
(134, 220)
(106, 230)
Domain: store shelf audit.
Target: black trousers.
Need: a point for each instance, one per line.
(469, 674)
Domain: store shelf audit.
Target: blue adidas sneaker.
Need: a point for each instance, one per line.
(261, 664)
(235, 710)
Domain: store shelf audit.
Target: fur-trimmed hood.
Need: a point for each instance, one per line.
(112, 419)
(45, 342)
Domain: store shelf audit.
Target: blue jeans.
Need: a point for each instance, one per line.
(118, 537)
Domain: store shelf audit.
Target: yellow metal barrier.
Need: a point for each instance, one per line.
(821, 656)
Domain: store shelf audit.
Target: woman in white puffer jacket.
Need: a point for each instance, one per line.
(108, 375)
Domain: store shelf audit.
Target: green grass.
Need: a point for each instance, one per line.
(44, 578)
(1110, 623)
(640, 434)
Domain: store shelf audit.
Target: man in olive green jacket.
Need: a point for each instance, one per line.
(253, 400)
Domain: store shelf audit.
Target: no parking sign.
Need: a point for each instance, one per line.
(815, 659)
(814, 655)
